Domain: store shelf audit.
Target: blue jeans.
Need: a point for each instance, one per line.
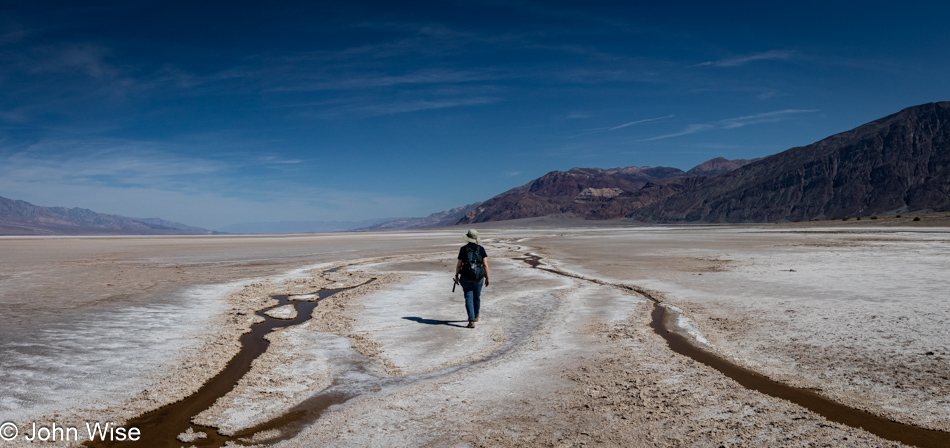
(473, 297)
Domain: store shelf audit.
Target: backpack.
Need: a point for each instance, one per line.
(473, 266)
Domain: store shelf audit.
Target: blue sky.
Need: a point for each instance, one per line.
(253, 112)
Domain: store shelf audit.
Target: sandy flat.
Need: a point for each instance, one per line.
(857, 313)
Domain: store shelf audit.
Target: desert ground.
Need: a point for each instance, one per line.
(110, 328)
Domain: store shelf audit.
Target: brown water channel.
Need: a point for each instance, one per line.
(836, 412)
(161, 427)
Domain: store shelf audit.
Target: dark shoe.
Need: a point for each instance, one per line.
(476, 319)
(471, 324)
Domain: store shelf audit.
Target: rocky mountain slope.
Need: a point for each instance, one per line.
(591, 193)
(24, 218)
(899, 163)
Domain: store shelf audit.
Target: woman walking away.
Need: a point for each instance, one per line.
(470, 271)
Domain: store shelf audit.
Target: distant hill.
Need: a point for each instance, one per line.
(300, 226)
(899, 163)
(24, 218)
(719, 165)
(186, 229)
(439, 219)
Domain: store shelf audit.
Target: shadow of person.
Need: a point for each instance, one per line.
(451, 323)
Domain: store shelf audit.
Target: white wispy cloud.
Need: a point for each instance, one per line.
(766, 117)
(621, 126)
(409, 105)
(690, 129)
(274, 160)
(86, 58)
(736, 122)
(771, 55)
(102, 161)
(340, 81)
(13, 116)
(638, 122)
(428, 39)
(13, 31)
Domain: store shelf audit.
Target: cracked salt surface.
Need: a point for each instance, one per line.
(354, 374)
(98, 359)
(858, 313)
(109, 354)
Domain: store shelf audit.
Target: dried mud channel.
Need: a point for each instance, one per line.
(161, 427)
(661, 321)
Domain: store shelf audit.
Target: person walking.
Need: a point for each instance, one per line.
(470, 271)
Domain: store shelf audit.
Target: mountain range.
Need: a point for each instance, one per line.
(301, 226)
(24, 218)
(592, 193)
(899, 163)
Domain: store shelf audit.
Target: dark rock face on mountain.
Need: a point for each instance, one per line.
(24, 218)
(439, 219)
(899, 163)
(631, 201)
